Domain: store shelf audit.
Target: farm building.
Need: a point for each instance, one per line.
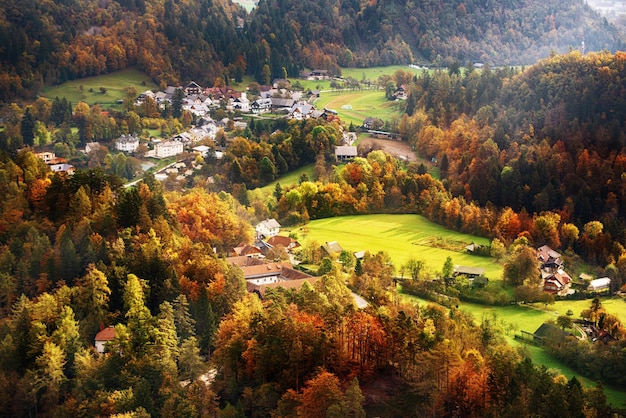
(599, 285)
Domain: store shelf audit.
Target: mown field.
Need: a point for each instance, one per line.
(355, 106)
(402, 237)
(88, 89)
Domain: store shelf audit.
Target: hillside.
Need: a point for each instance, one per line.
(204, 40)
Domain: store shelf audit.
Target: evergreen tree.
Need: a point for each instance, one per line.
(27, 128)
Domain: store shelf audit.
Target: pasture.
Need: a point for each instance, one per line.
(402, 237)
(89, 90)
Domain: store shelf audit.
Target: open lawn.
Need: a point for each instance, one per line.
(355, 106)
(403, 237)
(88, 89)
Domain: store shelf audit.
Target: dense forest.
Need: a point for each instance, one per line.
(81, 252)
(204, 40)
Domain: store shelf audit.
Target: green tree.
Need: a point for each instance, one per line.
(448, 268)
(177, 103)
(27, 128)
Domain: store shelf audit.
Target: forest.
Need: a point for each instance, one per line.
(80, 253)
(205, 40)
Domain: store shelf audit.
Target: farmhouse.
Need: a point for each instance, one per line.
(267, 228)
(287, 242)
(332, 248)
(550, 260)
(103, 337)
(557, 282)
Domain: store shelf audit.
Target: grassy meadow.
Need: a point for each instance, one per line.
(88, 89)
(355, 106)
(402, 237)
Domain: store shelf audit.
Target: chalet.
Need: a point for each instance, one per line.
(373, 123)
(400, 93)
(127, 143)
(103, 337)
(345, 152)
(267, 228)
(192, 88)
(550, 260)
(261, 106)
(287, 242)
(557, 282)
(600, 285)
(301, 110)
(241, 103)
(168, 149)
(332, 248)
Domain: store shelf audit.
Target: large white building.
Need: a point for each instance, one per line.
(168, 149)
(127, 143)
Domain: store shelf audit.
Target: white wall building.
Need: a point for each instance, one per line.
(127, 143)
(168, 149)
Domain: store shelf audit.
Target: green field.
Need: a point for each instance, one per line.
(354, 106)
(403, 237)
(288, 179)
(88, 89)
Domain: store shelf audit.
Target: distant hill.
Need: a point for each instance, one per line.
(174, 42)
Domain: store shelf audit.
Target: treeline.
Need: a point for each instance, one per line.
(204, 40)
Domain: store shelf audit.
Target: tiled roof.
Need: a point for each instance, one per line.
(106, 334)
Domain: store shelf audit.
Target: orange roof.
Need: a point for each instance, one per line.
(262, 270)
(106, 334)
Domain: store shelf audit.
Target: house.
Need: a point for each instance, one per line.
(301, 110)
(47, 157)
(62, 168)
(264, 273)
(549, 332)
(127, 143)
(241, 103)
(192, 88)
(267, 228)
(287, 242)
(332, 248)
(261, 106)
(345, 152)
(103, 337)
(557, 282)
(400, 93)
(600, 285)
(267, 276)
(315, 75)
(373, 123)
(247, 250)
(91, 147)
(168, 149)
(550, 260)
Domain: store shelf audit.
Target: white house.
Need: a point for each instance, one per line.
(103, 338)
(168, 149)
(267, 228)
(127, 143)
(241, 103)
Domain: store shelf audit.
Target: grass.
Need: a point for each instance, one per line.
(354, 106)
(88, 89)
(288, 179)
(402, 237)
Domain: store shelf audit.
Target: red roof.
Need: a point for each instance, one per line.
(106, 334)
